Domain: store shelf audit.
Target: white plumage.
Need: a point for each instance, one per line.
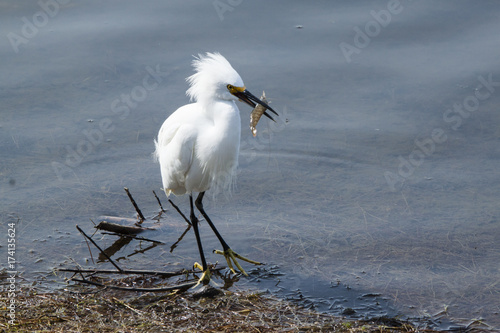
(198, 144)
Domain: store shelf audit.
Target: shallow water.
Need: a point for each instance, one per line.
(371, 179)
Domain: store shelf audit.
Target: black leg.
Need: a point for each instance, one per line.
(194, 223)
(199, 205)
(229, 254)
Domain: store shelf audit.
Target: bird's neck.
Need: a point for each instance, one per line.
(223, 113)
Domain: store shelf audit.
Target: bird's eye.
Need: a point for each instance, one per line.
(230, 87)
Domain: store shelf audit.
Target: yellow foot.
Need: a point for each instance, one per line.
(230, 255)
(205, 277)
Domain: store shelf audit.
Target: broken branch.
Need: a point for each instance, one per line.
(142, 218)
(95, 244)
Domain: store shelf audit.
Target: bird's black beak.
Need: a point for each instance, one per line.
(250, 99)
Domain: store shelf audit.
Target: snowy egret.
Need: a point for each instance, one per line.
(198, 144)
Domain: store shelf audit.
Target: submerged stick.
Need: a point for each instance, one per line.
(180, 286)
(118, 228)
(95, 244)
(135, 205)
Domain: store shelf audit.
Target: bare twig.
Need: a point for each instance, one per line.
(95, 244)
(159, 202)
(141, 272)
(179, 211)
(180, 286)
(135, 205)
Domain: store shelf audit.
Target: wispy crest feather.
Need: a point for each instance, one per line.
(212, 69)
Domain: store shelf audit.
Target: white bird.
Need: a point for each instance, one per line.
(198, 144)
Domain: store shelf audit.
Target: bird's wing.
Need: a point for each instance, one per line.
(175, 151)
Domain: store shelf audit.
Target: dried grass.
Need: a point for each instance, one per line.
(87, 309)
